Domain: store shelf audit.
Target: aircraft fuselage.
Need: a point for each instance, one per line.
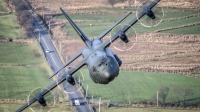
(102, 64)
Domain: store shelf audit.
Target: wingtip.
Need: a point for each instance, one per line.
(61, 8)
(51, 76)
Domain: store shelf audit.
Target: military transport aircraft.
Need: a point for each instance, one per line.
(102, 63)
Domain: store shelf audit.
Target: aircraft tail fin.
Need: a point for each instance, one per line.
(76, 28)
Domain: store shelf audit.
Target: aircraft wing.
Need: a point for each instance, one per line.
(128, 25)
(110, 28)
(67, 63)
(54, 84)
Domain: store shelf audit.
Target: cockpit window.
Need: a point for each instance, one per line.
(104, 62)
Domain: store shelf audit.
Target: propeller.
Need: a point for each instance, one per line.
(127, 40)
(41, 103)
(153, 17)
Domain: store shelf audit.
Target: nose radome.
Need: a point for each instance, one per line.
(109, 74)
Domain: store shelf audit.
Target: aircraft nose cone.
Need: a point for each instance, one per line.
(109, 74)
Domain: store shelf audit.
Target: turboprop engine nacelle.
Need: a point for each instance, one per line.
(41, 100)
(149, 13)
(70, 79)
(123, 37)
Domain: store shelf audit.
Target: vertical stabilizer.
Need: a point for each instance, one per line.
(80, 33)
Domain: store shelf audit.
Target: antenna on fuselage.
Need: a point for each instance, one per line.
(76, 28)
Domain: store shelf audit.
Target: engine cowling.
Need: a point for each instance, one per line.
(149, 13)
(123, 37)
(41, 100)
(119, 61)
(70, 79)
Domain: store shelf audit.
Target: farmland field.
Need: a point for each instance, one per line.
(98, 27)
(20, 53)
(187, 30)
(133, 85)
(15, 79)
(145, 110)
(17, 82)
(57, 108)
(66, 108)
(9, 27)
(2, 6)
(23, 67)
(13, 53)
(109, 19)
(141, 86)
(114, 17)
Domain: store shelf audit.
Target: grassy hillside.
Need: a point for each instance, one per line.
(9, 27)
(139, 85)
(145, 110)
(2, 6)
(187, 30)
(20, 53)
(106, 20)
(56, 108)
(18, 81)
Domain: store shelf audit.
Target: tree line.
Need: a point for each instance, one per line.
(24, 17)
(180, 96)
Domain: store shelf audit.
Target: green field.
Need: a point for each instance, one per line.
(186, 30)
(113, 109)
(66, 108)
(134, 9)
(9, 27)
(109, 19)
(56, 108)
(115, 17)
(2, 6)
(139, 86)
(18, 81)
(141, 29)
(20, 53)
(98, 27)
